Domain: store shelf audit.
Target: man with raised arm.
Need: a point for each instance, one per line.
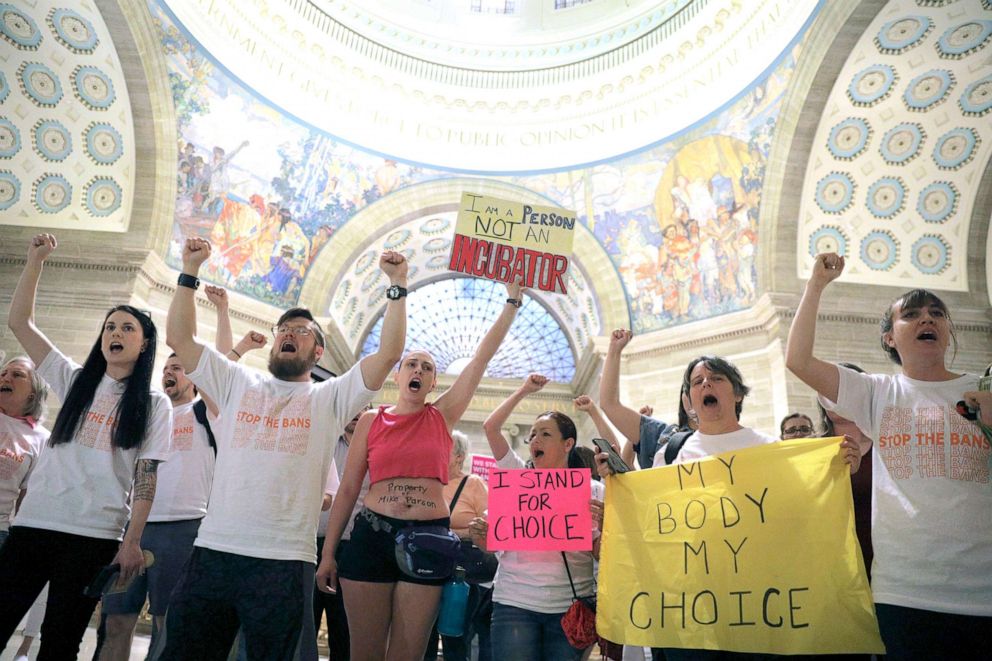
(255, 552)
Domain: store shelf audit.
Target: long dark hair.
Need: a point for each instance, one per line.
(134, 408)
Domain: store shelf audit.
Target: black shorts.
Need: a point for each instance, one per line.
(370, 555)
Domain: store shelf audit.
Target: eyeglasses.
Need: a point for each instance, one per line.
(300, 331)
(798, 430)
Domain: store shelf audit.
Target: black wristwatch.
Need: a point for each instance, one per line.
(395, 292)
(515, 302)
(187, 280)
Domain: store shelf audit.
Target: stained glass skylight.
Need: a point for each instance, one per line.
(450, 317)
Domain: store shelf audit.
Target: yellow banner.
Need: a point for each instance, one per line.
(748, 551)
(503, 240)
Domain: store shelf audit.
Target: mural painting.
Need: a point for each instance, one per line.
(679, 219)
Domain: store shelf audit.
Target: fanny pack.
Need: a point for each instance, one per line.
(425, 552)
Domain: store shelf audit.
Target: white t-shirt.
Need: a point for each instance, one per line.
(20, 445)
(700, 445)
(931, 524)
(340, 461)
(330, 489)
(537, 580)
(183, 487)
(274, 443)
(82, 487)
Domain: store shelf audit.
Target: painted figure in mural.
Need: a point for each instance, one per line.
(290, 257)
(219, 180)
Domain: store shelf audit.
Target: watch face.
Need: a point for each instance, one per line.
(393, 293)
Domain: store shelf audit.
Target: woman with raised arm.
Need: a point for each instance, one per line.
(532, 588)
(931, 522)
(585, 404)
(644, 433)
(22, 438)
(106, 443)
(405, 449)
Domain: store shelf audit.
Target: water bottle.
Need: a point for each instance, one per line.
(454, 599)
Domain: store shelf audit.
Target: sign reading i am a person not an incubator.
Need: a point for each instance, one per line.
(503, 240)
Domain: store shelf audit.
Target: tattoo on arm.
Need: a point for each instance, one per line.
(145, 479)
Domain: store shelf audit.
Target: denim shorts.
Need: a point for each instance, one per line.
(370, 556)
(171, 542)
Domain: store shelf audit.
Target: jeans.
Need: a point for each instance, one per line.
(32, 557)
(524, 635)
(910, 634)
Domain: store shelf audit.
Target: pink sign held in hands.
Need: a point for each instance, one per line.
(482, 466)
(540, 510)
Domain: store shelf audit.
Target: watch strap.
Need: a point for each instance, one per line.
(187, 280)
(515, 302)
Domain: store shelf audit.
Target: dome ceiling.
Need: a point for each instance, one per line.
(556, 95)
(66, 133)
(901, 148)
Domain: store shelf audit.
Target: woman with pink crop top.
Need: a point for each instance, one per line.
(404, 448)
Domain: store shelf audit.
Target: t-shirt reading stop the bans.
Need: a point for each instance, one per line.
(82, 487)
(183, 487)
(932, 502)
(274, 443)
(20, 444)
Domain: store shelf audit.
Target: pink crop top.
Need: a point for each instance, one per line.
(416, 445)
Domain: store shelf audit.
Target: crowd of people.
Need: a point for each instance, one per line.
(245, 506)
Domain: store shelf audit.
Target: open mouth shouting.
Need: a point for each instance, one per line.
(415, 384)
(710, 400)
(287, 347)
(168, 382)
(116, 347)
(536, 454)
(6, 388)
(927, 336)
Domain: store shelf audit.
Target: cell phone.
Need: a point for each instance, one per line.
(613, 460)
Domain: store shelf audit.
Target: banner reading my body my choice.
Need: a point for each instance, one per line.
(748, 551)
(503, 240)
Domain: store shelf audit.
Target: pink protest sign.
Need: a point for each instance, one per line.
(540, 510)
(482, 466)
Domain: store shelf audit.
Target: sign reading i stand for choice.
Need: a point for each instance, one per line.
(747, 551)
(540, 510)
(503, 240)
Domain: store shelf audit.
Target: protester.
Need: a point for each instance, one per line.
(405, 450)
(715, 395)
(532, 588)
(471, 501)
(22, 438)
(254, 557)
(796, 425)
(931, 529)
(332, 603)
(650, 432)
(107, 441)
(836, 425)
(181, 499)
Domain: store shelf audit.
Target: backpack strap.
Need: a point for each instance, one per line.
(200, 411)
(568, 571)
(451, 506)
(675, 442)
